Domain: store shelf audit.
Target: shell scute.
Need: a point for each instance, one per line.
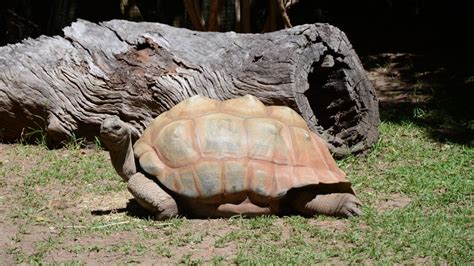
(143, 144)
(327, 158)
(235, 176)
(209, 178)
(303, 147)
(175, 142)
(247, 106)
(221, 135)
(283, 180)
(186, 176)
(261, 176)
(287, 116)
(152, 164)
(169, 179)
(304, 176)
(194, 107)
(268, 140)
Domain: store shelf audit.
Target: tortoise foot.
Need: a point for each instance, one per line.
(152, 197)
(334, 204)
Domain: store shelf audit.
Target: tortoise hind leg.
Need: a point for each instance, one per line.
(152, 197)
(333, 204)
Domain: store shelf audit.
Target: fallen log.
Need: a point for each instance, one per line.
(66, 86)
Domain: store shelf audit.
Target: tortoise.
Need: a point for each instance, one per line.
(211, 158)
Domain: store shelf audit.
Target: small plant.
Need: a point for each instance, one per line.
(188, 260)
(37, 134)
(217, 260)
(97, 143)
(418, 113)
(163, 251)
(74, 143)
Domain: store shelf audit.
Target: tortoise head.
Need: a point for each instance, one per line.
(114, 133)
(117, 136)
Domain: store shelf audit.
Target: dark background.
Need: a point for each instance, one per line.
(371, 25)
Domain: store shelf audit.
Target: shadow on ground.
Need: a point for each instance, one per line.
(434, 90)
(133, 209)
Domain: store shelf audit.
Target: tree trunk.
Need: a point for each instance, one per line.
(65, 86)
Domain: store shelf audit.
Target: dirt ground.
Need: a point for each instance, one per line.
(35, 222)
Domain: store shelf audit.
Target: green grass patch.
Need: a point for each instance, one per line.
(417, 196)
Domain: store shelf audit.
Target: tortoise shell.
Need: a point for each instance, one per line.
(204, 148)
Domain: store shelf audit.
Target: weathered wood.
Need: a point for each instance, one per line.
(138, 70)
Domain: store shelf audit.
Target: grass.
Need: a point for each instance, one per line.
(417, 195)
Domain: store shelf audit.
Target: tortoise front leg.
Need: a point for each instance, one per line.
(334, 204)
(152, 197)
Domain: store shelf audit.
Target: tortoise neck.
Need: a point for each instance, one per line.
(123, 158)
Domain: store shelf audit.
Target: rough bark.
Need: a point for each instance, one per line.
(69, 85)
